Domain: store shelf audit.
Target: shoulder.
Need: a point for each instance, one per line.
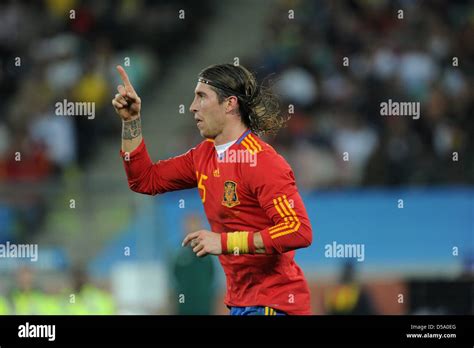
(266, 157)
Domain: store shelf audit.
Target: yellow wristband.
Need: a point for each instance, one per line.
(237, 242)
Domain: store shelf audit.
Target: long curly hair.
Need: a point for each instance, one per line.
(258, 105)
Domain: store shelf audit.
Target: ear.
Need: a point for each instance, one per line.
(232, 104)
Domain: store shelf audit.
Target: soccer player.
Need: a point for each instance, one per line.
(248, 190)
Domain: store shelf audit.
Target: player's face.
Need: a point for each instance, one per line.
(208, 113)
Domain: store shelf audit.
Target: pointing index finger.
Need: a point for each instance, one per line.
(124, 76)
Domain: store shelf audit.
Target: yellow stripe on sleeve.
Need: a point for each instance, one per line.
(286, 224)
(277, 208)
(289, 205)
(281, 224)
(249, 147)
(252, 140)
(291, 224)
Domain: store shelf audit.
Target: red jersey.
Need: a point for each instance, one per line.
(257, 194)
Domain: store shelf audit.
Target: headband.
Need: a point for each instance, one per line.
(221, 87)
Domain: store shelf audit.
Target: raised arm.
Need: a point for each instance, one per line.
(127, 104)
(143, 175)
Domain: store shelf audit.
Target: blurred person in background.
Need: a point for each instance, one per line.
(194, 278)
(26, 297)
(348, 297)
(5, 308)
(5, 304)
(89, 299)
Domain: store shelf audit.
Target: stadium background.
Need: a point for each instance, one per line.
(119, 252)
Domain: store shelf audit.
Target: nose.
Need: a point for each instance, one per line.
(193, 106)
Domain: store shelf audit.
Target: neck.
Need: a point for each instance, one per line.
(230, 133)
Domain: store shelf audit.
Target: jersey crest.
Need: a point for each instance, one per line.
(230, 194)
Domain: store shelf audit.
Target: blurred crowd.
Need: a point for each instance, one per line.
(425, 54)
(417, 51)
(54, 50)
(75, 296)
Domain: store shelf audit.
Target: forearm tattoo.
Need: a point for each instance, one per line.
(131, 129)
